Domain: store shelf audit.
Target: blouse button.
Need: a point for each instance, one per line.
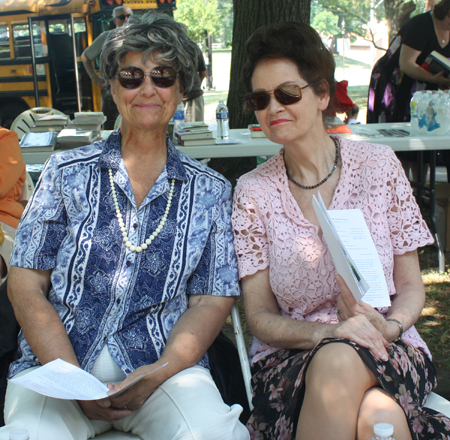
(128, 263)
(118, 301)
(324, 272)
(135, 226)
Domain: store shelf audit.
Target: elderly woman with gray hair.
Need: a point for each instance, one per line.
(124, 263)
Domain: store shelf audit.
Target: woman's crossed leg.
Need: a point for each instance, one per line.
(342, 399)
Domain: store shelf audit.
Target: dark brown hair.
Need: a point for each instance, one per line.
(299, 43)
(442, 9)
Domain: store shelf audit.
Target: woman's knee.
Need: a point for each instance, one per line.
(378, 406)
(336, 362)
(188, 406)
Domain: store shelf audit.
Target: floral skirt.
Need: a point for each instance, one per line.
(278, 390)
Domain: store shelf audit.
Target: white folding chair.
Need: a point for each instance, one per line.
(242, 350)
(438, 403)
(26, 119)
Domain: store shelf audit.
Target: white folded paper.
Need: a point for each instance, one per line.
(61, 380)
(354, 253)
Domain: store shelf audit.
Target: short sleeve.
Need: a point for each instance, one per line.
(250, 239)
(94, 50)
(407, 228)
(216, 273)
(414, 31)
(43, 224)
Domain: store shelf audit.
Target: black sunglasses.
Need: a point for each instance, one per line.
(123, 16)
(285, 95)
(133, 77)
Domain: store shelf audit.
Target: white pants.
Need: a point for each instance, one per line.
(188, 406)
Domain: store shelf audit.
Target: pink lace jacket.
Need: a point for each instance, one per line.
(270, 231)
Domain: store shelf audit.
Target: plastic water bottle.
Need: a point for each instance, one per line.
(414, 113)
(18, 434)
(178, 118)
(439, 114)
(222, 121)
(383, 431)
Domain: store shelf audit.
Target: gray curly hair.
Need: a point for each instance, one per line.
(156, 34)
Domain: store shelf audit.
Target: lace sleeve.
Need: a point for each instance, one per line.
(250, 240)
(408, 229)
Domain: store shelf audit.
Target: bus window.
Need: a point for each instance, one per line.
(21, 40)
(5, 51)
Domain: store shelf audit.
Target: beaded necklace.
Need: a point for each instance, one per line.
(322, 181)
(156, 232)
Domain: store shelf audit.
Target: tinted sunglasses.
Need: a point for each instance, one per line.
(123, 16)
(285, 95)
(133, 77)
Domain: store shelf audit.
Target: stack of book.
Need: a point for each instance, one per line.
(88, 121)
(435, 63)
(256, 131)
(49, 123)
(75, 137)
(38, 141)
(194, 133)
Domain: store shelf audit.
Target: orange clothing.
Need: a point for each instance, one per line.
(12, 177)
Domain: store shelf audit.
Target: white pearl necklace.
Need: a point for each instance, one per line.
(149, 240)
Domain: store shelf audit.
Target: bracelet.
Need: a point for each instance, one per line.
(400, 325)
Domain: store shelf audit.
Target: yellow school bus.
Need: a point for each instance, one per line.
(47, 71)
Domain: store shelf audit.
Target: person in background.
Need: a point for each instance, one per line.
(352, 116)
(325, 367)
(342, 103)
(131, 264)
(194, 106)
(12, 179)
(398, 74)
(121, 14)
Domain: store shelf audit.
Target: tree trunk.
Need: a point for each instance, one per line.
(398, 12)
(249, 15)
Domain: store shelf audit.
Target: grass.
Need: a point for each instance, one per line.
(338, 59)
(225, 50)
(434, 323)
(358, 95)
(213, 97)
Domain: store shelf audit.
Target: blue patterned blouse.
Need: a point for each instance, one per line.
(103, 292)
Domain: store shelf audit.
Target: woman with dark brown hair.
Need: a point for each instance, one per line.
(324, 366)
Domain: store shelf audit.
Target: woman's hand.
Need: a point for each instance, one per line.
(441, 80)
(102, 410)
(136, 395)
(348, 307)
(360, 322)
(359, 329)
